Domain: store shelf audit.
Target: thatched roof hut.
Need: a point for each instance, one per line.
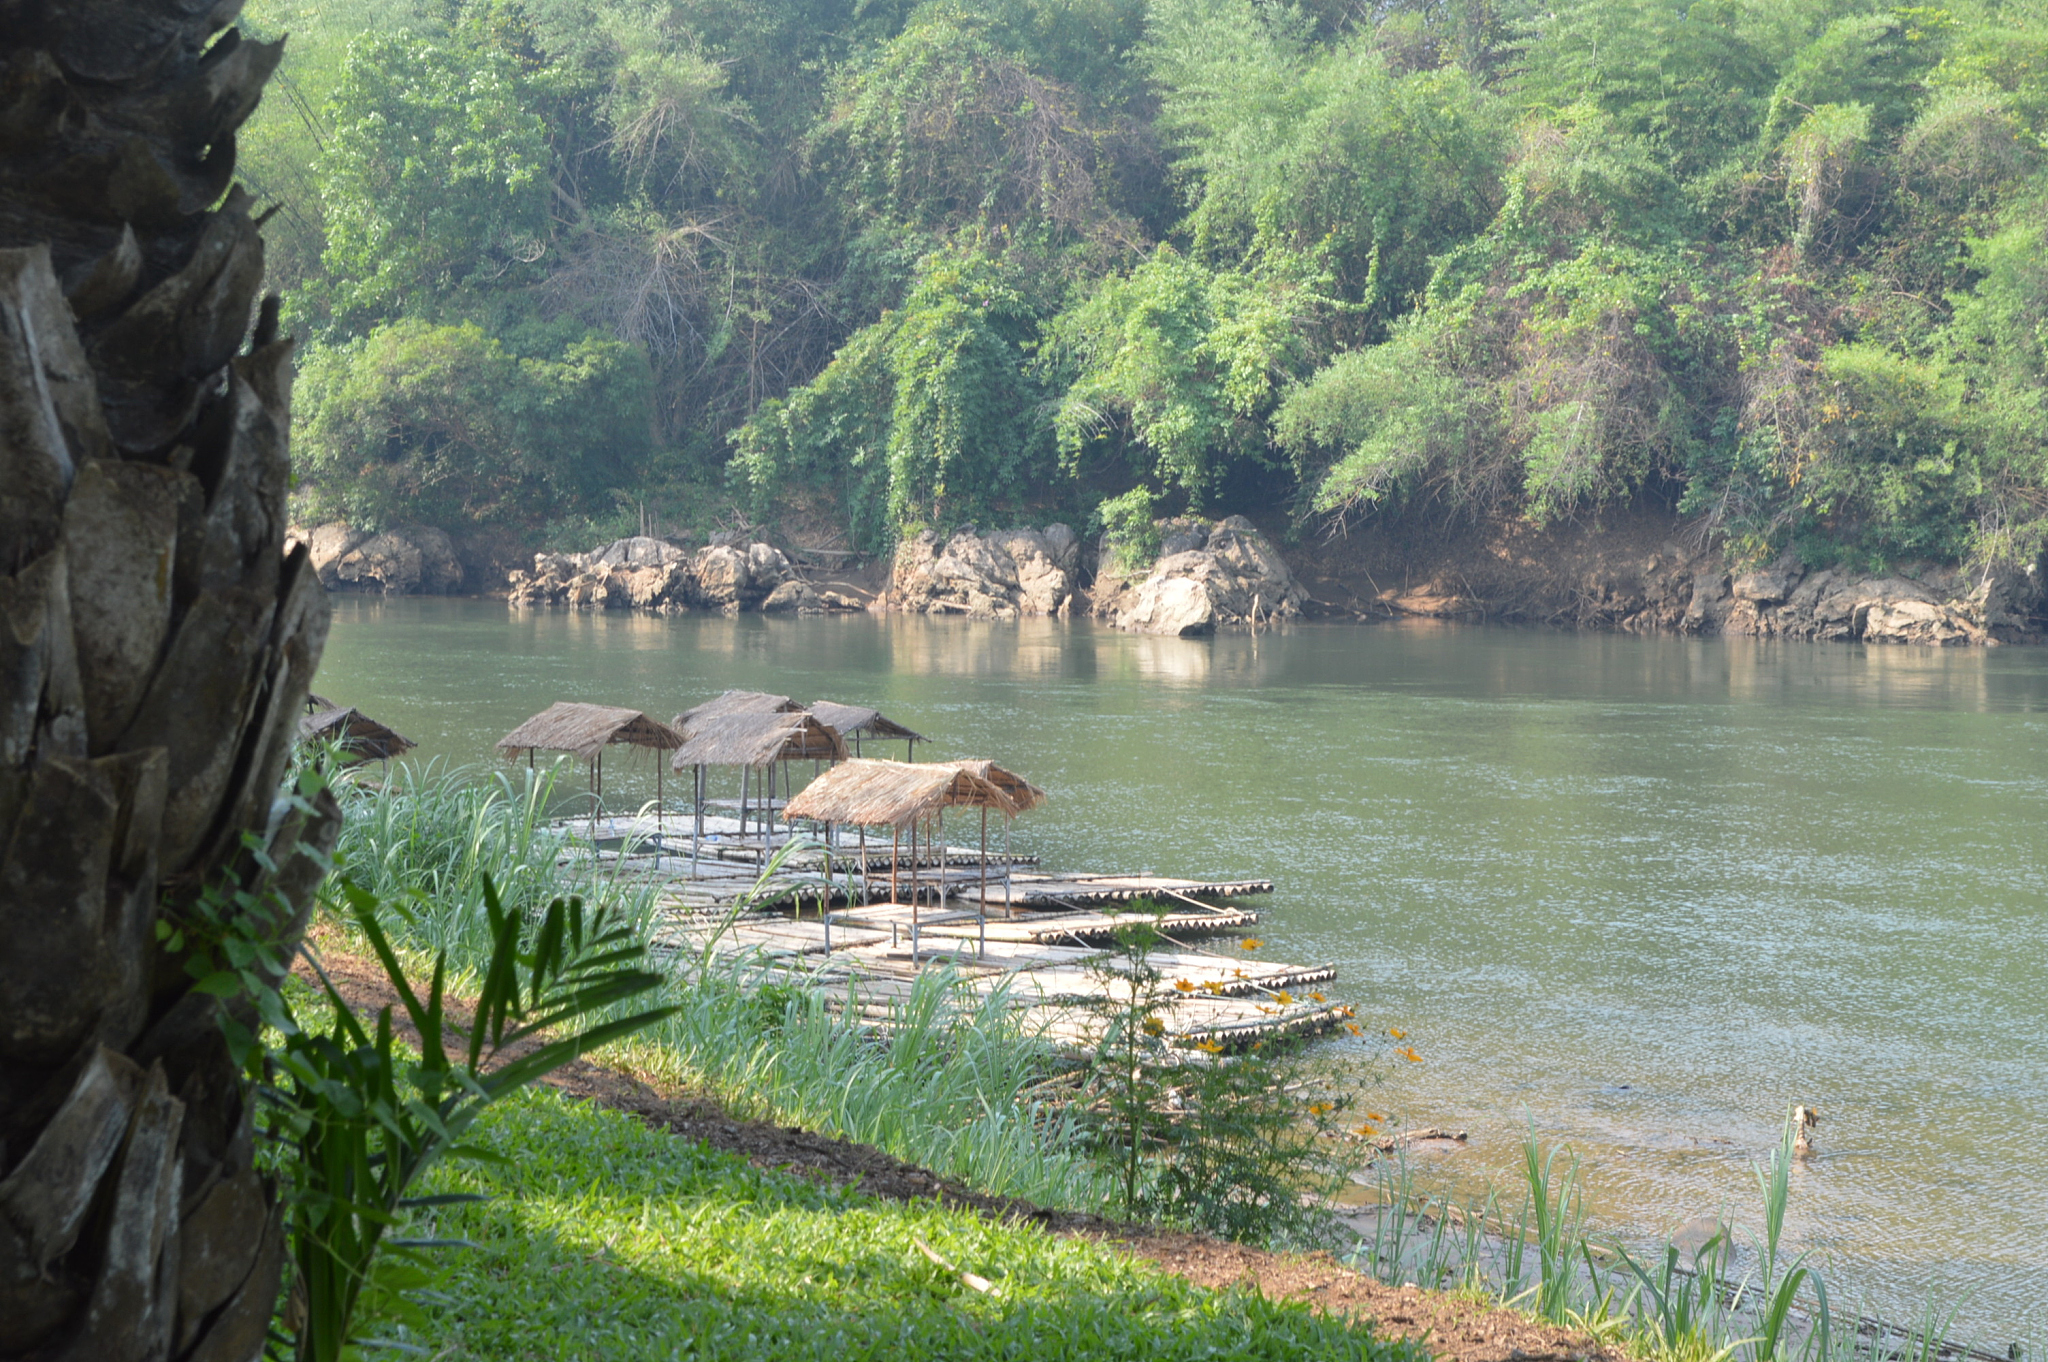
(586, 730)
(736, 702)
(757, 739)
(354, 734)
(1019, 791)
(856, 722)
(897, 794)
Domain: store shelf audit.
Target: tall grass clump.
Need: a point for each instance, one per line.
(425, 839)
(945, 1082)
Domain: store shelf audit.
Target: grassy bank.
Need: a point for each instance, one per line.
(603, 1239)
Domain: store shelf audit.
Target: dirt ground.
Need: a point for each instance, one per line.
(1453, 1328)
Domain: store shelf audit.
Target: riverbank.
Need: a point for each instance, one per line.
(757, 1157)
(1637, 569)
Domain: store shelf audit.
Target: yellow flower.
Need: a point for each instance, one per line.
(1210, 1046)
(1364, 1132)
(1374, 1116)
(1283, 997)
(1354, 1028)
(1321, 1108)
(1184, 986)
(1154, 1026)
(1407, 1052)
(1250, 943)
(1318, 997)
(1397, 1033)
(1212, 985)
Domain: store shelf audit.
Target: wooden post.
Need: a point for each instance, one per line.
(981, 904)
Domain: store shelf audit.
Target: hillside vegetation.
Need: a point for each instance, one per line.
(875, 264)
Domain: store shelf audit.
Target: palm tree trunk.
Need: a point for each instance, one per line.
(156, 642)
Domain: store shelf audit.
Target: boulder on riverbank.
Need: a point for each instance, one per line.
(645, 573)
(997, 576)
(1943, 607)
(1644, 569)
(1207, 575)
(406, 560)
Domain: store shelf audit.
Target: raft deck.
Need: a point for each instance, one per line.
(1004, 928)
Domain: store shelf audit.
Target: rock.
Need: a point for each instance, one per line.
(638, 551)
(410, 560)
(1768, 586)
(1042, 584)
(1230, 574)
(1064, 547)
(1000, 575)
(792, 595)
(721, 575)
(767, 569)
(1182, 606)
(328, 544)
(1710, 603)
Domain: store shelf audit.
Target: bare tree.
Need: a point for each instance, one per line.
(155, 645)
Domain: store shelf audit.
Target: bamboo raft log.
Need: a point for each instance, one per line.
(1075, 1021)
(1043, 928)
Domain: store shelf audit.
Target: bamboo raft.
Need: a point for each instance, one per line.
(841, 916)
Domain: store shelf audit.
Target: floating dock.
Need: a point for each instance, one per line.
(840, 914)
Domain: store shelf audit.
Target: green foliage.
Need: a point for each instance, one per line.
(1233, 1143)
(944, 129)
(363, 1124)
(444, 424)
(930, 412)
(1175, 365)
(435, 178)
(1309, 161)
(1130, 522)
(1685, 78)
(916, 262)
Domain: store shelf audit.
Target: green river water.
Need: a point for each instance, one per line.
(1643, 892)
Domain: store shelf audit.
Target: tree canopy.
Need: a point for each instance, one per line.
(891, 265)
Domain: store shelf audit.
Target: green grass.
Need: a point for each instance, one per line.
(603, 1239)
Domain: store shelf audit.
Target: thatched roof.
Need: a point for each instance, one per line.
(736, 702)
(865, 720)
(586, 730)
(895, 793)
(355, 734)
(757, 740)
(1020, 791)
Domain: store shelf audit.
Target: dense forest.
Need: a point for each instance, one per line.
(861, 266)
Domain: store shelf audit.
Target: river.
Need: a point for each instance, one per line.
(1644, 893)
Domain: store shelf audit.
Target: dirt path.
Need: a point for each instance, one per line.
(1454, 1328)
